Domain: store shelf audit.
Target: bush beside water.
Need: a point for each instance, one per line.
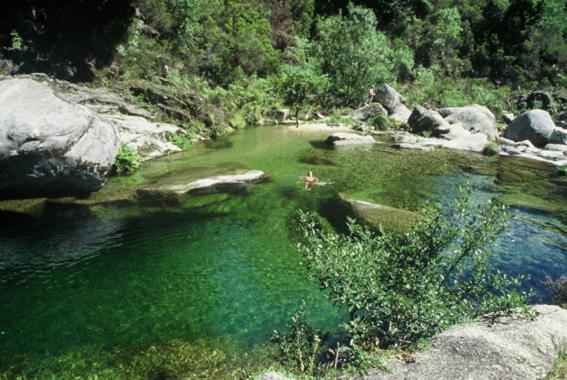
(403, 288)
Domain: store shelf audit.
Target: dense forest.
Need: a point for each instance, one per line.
(248, 57)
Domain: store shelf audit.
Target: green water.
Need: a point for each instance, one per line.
(224, 266)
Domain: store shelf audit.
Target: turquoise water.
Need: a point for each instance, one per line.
(224, 266)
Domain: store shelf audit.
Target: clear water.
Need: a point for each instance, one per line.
(225, 265)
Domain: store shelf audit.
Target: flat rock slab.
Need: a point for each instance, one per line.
(347, 139)
(221, 183)
(376, 215)
(510, 348)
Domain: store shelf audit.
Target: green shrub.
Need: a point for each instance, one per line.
(18, 45)
(237, 121)
(183, 141)
(354, 55)
(379, 122)
(300, 347)
(491, 149)
(562, 171)
(401, 288)
(127, 160)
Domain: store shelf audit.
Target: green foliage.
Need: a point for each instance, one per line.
(562, 170)
(559, 370)
(491, 149)
(353, 54)
(300, 347)
(436, 92)
(380, 122)
(403, 287)
(170, 360)
(183, 141)
(127, 160)
(300, 86)
(18, 45)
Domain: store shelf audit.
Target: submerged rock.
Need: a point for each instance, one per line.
(473, 118)
(513, 347)
(345, 139)
(50, 146)
(376, 215)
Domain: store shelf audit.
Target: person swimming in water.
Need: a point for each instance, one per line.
(310, 180)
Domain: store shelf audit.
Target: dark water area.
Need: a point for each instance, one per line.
(225, 266)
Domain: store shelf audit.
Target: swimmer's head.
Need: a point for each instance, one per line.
(310, 173)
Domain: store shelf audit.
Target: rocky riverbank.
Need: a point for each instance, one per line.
(508, 347)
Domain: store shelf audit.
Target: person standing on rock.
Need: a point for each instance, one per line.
(371, 94)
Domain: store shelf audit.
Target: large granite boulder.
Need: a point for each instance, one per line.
(510, 347)
(346, 139)
(48, 145)
(474, 118)
(394, 103)
(536, 126)
(422, 120)
(368, 111)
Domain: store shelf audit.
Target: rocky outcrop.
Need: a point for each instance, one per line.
(456, 138)
(368, 111)
(49, 145)
(536, 126)
(380, 216)
(474, 118)
(553, 154)
(513, 347)
(346, 139)
(422, 120)
(136, 126)
(394, 103)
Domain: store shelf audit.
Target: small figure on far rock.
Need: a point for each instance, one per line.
(310, 180)
(371, 95)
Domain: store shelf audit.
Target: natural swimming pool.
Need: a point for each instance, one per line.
(224, 266)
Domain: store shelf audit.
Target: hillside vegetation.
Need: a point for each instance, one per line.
(231, 62)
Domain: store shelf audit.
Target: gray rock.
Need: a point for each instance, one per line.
(556, 147)
(280, 115)
(474, 118)
(48, 145)
(394, 103)
(135, 125)
(470, 142)
(558, 136)
(508, 117)
(511, 348)
(344, 139)
(423, 120)
(368, 111)
(413, 146)
(222, 183)
(380, 216)
(536, 126)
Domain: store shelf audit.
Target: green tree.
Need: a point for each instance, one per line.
(300, 86)
(353, 54)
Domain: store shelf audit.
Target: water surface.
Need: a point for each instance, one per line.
(224, 266)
